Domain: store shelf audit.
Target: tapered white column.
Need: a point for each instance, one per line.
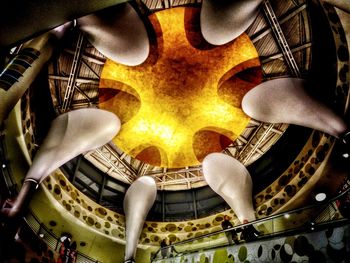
(222, 21)
(231, 180)
(22, 70)
(70, 134)
(118, 33)
(285, 100)
(21, 19)
(137, 202)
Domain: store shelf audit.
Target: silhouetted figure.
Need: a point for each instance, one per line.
(72, 252)
(231, 235)
(173, 250)
(64, 250)
(249, 233)
(163, 248)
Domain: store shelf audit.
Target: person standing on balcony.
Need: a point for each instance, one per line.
(249, 233)
(72, 253)
(163, 248)
(64, 250)
(231, 235)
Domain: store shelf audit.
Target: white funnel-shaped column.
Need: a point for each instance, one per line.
(286, 101)
(70, 134)
(137, 202)
(231, 180)
(222, 21)
(23, 19)
(118, 33)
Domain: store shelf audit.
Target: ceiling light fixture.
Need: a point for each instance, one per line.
(320, 197)
(346, 155)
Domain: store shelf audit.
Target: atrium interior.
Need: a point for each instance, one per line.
(112, 111)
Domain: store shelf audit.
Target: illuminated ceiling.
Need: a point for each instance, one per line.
(75, 78)
(184, 102)
(250, 145)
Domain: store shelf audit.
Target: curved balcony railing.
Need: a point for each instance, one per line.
(9, 189)
(306, 219)
(51, 239)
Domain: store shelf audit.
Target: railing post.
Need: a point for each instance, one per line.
(40, 227)
(57, 242)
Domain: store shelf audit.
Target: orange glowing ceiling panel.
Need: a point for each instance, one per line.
(185, 100)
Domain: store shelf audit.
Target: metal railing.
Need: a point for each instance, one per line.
(281, 39)
(30, 219)
(306, 219)
(68, 96)
(5, 171)
(51, 239)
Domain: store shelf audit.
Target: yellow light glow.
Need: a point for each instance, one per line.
(184, 101)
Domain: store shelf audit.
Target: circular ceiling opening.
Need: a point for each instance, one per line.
(184, 101)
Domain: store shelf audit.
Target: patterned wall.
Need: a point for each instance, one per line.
(296, 176)
(28, 123)
(332, 245)
(112, 224)
(342, 50)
